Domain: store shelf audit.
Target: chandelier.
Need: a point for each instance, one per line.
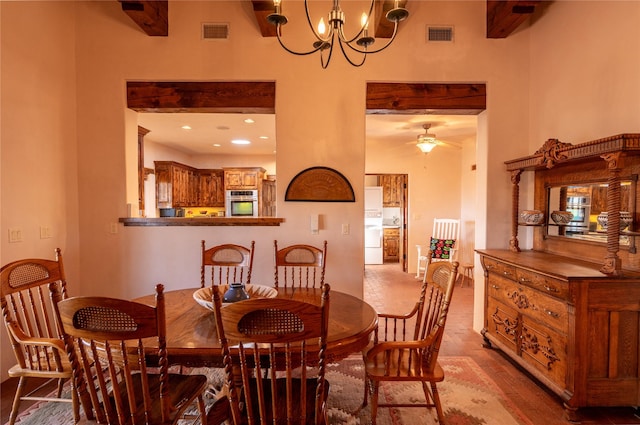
(326, 37)
(426, 141)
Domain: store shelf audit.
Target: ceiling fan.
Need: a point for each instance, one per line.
(427, 141)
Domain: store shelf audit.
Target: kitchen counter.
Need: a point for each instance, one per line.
(201, 221)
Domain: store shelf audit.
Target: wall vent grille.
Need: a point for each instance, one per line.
(215, 31)
(439, 33)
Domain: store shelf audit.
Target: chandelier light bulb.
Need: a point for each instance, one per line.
(322, 27)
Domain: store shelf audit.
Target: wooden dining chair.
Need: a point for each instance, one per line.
(300, 266)
(228, 263)
(104, 339)
(30, 322)
(274, 358)
(405, 347)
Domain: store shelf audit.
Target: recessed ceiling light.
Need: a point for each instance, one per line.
(186, 127)
(264, 137)
(249, 121)
(240, 142)
(217, 145)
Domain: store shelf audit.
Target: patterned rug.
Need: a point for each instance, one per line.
(468, 395)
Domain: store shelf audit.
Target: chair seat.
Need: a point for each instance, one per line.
(296, 389)
(402, 370)
(182, 394)
(47, 372)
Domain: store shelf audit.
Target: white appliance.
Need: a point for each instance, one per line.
(373, 225)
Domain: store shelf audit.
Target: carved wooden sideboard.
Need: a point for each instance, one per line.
(568, 311)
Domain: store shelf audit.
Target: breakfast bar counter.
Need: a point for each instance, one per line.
(202, 221)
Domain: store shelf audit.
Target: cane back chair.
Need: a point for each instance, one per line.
(274, 357)
(300, 266)
(30, 321)
(104, 339)
(229, 263)
(406, 347)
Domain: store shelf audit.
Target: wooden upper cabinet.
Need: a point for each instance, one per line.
(178, 185)
(244, 178)
(391, 190)
(211, 188)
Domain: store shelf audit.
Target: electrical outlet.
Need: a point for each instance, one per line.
(113, 228)
(15, 234)
(345, 229)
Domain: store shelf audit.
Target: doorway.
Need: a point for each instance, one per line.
(394, 217)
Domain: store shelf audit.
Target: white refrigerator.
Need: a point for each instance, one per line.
(373, 244)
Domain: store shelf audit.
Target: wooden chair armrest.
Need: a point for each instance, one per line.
(409, 315)
(25, 339)
(398, 345)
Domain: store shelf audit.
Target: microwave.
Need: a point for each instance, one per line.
(241, 203)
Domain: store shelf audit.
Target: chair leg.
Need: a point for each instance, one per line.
(202, 410)
(366, 391)
(16, 400)
(374, 402)
(436, 400)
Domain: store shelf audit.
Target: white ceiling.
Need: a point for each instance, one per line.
(210, 128)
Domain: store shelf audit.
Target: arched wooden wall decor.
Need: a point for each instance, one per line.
(320, 184)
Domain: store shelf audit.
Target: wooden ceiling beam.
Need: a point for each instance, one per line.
(505, 16)
(202, 96)
(150, 15)
(262, 9)
(413, 98)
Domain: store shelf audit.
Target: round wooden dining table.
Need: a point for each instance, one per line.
(192, 339)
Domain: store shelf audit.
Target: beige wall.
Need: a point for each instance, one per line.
(64, 122)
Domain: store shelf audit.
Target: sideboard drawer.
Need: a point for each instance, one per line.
(545, 284)
(499, 268)
(538, 306)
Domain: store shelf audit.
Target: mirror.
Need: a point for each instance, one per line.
(587, 203)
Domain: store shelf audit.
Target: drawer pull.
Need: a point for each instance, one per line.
(524, 280)
(550, 289)
(552, 314)
(506, 273)
(495, 286)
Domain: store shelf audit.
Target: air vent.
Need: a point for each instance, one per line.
(439, 33)
(215, 31)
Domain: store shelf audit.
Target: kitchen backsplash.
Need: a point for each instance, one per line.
(203, 212)
(391, 217)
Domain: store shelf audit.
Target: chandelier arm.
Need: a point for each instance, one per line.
(393, 36)
(322, 62)
(344, 52)
(357, 36)
(293, 51)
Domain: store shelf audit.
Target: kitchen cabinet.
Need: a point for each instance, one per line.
(244, 178)
(392, 188)
(391, 244)
(176, 184)
(269, 198)
(179, 185)
(568, 310)
(211, 190)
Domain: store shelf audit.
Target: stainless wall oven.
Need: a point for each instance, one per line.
(580, 207)
(241, 203)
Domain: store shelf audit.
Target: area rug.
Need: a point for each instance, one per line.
(468, 395)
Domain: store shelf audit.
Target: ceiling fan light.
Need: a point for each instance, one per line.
(426, 142)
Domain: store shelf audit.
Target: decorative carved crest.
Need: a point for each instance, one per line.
(551, 152)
